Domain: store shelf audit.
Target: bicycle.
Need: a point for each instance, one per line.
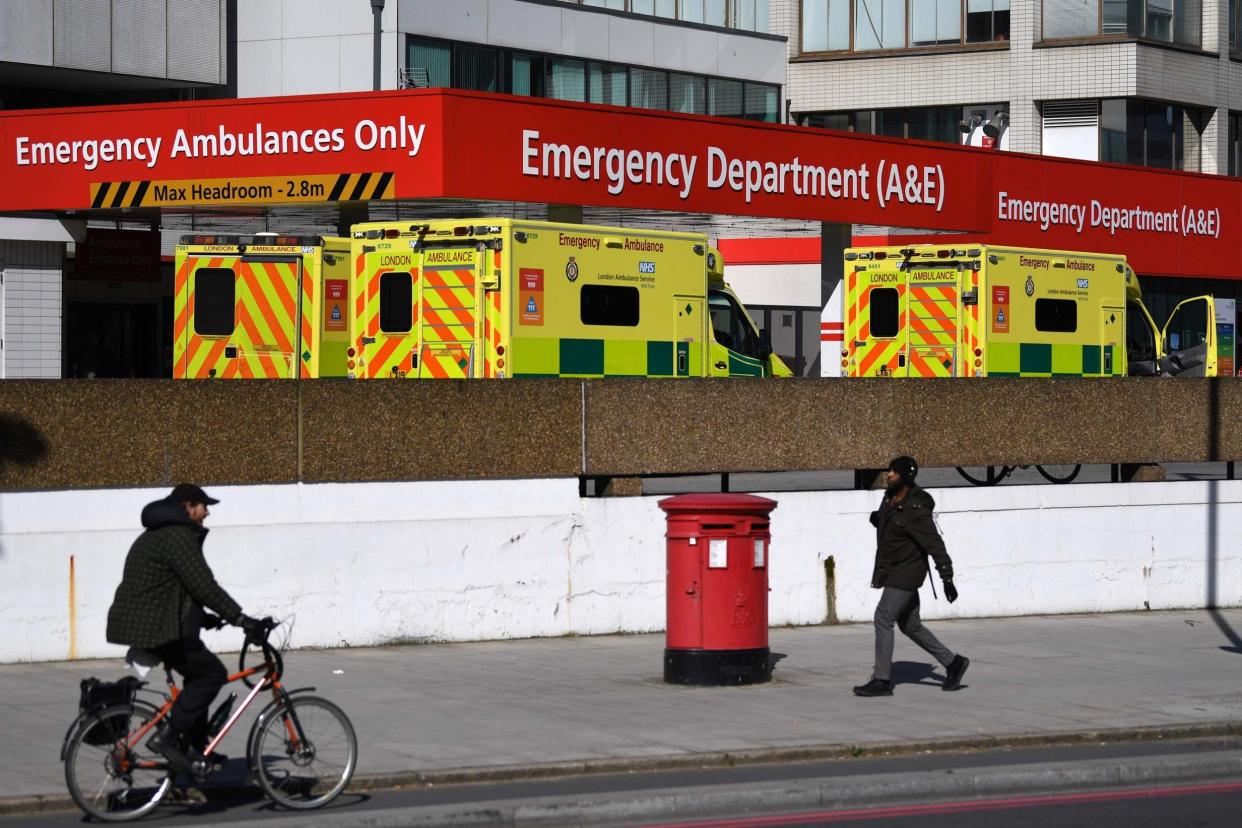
(989, 476)
(301, 749)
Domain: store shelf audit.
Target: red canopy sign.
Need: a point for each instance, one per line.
(453, 144)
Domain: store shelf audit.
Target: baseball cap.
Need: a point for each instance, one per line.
(189, 493)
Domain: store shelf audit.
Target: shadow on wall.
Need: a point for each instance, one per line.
(20, 444)
(1213, 526)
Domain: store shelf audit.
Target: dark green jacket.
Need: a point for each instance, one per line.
(166, 582)
(905, 535)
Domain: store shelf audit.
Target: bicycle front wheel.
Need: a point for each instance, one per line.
(1059, 474)
(305, 753)
(110, 776)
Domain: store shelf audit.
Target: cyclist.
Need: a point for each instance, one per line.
(159, 608)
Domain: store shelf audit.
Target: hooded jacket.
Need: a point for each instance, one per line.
(166, 582)
(905, 535)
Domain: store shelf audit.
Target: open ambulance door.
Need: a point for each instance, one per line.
(1188, 339)
(1142, 340)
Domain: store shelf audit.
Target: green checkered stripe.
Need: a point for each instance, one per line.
(534, 357)
(1027, 359)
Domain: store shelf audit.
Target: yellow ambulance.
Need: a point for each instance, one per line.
(498, 297)
(979, 310)
(260, 307)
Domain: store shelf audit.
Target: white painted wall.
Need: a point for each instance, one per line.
(366, 564)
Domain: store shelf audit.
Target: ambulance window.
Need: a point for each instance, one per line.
(1056, 315)
(215, 295)
(730, 327)
(884, 312)
(396, 302)
(609, 305)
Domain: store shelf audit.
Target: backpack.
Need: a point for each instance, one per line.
(96, 696)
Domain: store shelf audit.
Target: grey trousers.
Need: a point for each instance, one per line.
(902, 606)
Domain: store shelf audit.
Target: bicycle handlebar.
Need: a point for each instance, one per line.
(271, 655)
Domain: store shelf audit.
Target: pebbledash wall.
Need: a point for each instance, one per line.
(368, 564)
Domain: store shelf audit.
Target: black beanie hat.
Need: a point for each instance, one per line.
(906, 467)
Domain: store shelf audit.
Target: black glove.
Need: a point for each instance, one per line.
(950, 591)
(254, 627)
(212, 622)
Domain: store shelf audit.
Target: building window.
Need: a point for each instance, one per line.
(1235, 144)
(925, 123)
(463, 66)
(1167, 21)
(215, 290)
(750, 15)
(1235, 25)
(1144, 133)
(900, 24)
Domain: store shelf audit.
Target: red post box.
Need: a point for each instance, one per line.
(717, 628)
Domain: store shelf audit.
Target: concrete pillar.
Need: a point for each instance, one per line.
(834, 238)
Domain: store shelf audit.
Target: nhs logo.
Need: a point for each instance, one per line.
(646, 267)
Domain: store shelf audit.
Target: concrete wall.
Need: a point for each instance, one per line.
(365, 564)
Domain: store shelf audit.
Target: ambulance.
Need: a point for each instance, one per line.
(988, 311)
(498, 297)
(260, 307)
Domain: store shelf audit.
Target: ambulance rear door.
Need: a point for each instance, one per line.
(386, 281)
(238, 318)
(932, 320)
(1189, 339)
(876, 304)
(450, 295)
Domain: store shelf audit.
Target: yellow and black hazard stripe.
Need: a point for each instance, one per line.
(366, 186)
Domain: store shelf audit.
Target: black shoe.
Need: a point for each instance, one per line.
(954, 672)
(875, 687)
(166, 742)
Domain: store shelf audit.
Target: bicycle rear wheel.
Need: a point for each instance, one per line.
(1059, 473)
(983, 475)
(305, 753)
(109, 778)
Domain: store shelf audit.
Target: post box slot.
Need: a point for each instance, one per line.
(710, 526)
(759, 527)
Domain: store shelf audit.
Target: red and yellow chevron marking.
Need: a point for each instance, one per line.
(930, 362)
(182, 298)
(388, 354)
(449, 323)
(877, 357)
(492, 324)
(933, 315)
(200, 354)
(309, 340)
(970, 333)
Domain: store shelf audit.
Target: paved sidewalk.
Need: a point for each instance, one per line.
(475, 707)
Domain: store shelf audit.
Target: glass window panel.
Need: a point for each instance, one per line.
(526, 75)
(436, 58)
(724, 98)
(649, 88)
(865, 121)
(215, 300)
(744, 15)
(476, 68)
(609, 84)
(666, 8)
(1159, 20)
(829, 120)
(879, 24)
(814, 25)
(1113, 131)
(1115, 20)
(1234, 6)
(1235, 161)
(891, 122)
(762, 103)
(692, 11)
(396, 302)
(608, 305)
(761, 15)
(642, 6)
(885, 304)
(687, 93)
(979, 21)
(714, 13)
(1136, 143)
(566, 79)
(935, 21)
(1160, 135)
(1187, 22)
(1056, 315)
(1071, 18)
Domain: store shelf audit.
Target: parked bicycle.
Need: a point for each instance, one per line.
(301, 748)
(991, 475)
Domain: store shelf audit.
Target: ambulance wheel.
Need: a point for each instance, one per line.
(1059, 474)
(983, 475)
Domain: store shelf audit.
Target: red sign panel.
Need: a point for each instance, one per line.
(431, 144)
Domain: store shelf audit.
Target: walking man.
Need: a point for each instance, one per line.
(905, 536)
(159, 608)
